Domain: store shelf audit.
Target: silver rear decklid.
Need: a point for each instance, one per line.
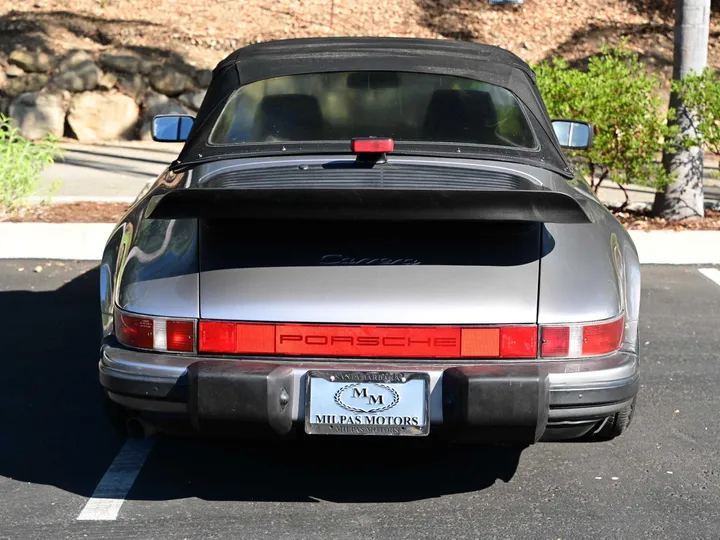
(374, 273)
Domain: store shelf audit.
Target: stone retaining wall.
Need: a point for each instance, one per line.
(95, 98)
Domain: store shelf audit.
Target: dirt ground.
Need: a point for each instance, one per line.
(80, 212)
(201, 33)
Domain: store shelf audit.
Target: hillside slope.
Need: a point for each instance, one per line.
(200, 33)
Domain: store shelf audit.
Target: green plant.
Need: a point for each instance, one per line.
(624, 104)
(701, 94)
(21, 163)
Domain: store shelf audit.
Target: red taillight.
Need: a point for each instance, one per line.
(518, 342)
(555, 341)
(577, 340)
(368, 341)
(217, 337)
(256, 338)
(602, 338)
(156, 333)
(180, 336)
(134, 331)
(570, 341)
(480, 342)
(359, 146)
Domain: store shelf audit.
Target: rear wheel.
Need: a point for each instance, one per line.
(615, 425)
(116, 414)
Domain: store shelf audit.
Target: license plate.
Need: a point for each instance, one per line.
(367, 403)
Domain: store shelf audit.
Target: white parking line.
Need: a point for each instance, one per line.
(110, 493)
(711, 273)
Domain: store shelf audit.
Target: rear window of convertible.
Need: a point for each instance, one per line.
(413, 107)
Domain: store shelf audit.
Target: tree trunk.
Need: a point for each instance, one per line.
(683, 197)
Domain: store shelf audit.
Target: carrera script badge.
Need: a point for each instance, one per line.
(342, 260)
(367, 397)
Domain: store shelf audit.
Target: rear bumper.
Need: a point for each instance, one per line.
(502, 394)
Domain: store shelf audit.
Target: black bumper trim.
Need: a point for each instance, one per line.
(495, 401)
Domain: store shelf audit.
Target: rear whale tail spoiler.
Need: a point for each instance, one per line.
(343, 205)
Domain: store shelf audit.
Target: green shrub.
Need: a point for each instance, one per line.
(701, 93)
(624, 104)
(21, 163)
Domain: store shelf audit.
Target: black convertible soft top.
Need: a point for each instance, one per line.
(317, 55)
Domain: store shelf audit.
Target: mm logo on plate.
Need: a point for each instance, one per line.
(367, 397)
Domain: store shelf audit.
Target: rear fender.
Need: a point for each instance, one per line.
(586, 276)
(151, 266)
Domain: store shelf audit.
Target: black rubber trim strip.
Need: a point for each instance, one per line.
(145, 387)
(369, 205)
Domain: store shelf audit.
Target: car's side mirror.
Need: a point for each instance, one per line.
(572, 134)
(171, 127)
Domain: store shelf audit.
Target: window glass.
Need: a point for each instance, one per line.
(345, 105)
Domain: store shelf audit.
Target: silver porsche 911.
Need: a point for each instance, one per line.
(370, 236)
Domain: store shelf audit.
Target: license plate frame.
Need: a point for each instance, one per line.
(389, 385)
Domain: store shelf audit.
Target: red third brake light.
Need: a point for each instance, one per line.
(377, 146)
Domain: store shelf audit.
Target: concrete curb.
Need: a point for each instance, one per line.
(85, 241)
(677, 247)
(74, 241)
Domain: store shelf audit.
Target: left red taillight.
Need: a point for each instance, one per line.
(156, 333)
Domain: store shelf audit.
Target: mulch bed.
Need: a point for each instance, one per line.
(642, 221)
(80, 212)
(88, 212)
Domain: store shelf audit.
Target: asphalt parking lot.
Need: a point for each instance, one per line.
(660, 480)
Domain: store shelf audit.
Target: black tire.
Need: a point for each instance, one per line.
(615, 425)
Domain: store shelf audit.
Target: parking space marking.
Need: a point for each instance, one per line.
(711, 273)
(114, 486)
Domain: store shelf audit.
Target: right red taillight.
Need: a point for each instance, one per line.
(574, 341)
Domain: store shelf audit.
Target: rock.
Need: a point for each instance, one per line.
(169, 81)
(107, 81)
(34, 62)
(203, 77)
(4, 105)
(37, 115)
(192, 100)
(147, 66)
(122, 63)
(14, 71)
(3, 79)
(74, 59)
(133, 86)
(639, 207)
(158, 104)
(102, 117)
(78, 73)
(32, 82)
(78, 81)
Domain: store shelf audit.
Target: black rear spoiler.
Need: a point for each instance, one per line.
(538, 205)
